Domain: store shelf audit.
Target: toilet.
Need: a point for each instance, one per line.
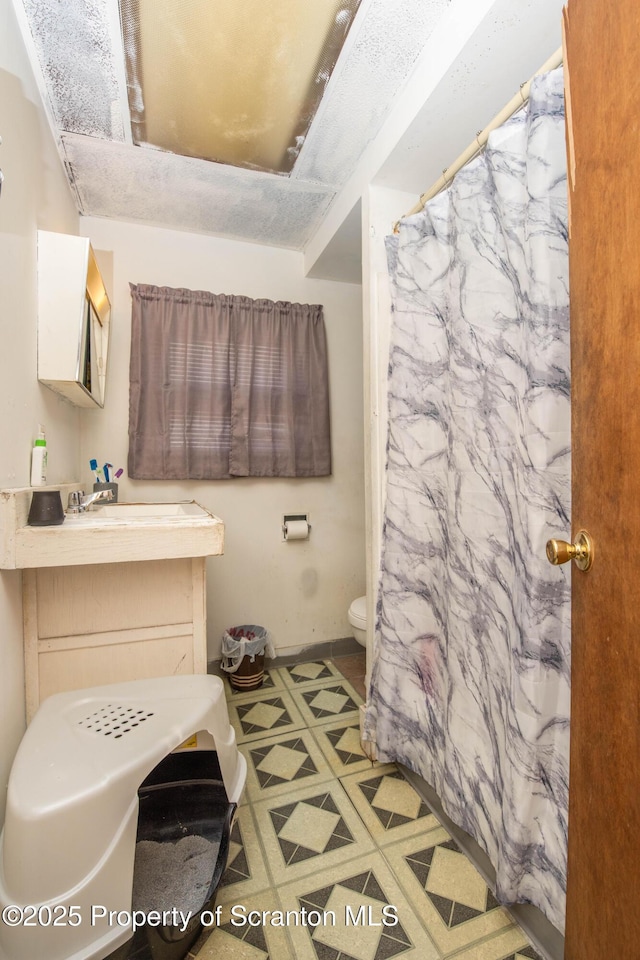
(358, 619)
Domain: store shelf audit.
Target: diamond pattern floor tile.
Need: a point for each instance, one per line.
(333, 701)
(284, 762)
(453, 900)
(390, 807)
(264, 715)
(277, 765)
(361, 914)
(315, 672)
(340, 743)
(309, 831)
(451, 878)
(310, 826)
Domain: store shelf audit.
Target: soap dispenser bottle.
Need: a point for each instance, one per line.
(39, 460)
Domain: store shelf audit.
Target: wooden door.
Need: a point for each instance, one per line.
(603, 100)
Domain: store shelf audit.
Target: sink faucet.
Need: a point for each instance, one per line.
(79, 503)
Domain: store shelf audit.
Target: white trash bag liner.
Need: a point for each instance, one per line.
(250, 640)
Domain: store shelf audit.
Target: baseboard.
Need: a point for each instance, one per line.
(287, 656)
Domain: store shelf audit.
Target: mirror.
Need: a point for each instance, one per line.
(93, 353)
(95, 334)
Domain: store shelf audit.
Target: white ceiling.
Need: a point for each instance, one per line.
(416, 79)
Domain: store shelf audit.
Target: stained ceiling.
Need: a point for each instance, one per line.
(80, 54)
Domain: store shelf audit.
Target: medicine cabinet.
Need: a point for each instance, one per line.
(74, 316)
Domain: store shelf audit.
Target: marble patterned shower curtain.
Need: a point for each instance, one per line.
(470, 684)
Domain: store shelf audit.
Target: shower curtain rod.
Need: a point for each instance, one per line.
(516, 102)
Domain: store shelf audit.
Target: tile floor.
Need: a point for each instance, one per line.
(337, 842)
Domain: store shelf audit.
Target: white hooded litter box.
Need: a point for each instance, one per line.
(69, 838)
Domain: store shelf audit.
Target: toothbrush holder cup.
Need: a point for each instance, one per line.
(107, 486)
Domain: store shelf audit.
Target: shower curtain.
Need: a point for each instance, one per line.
(470, 681)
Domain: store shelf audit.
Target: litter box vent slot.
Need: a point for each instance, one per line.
(114, 720)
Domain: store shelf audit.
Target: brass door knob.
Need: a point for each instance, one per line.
(559, 551)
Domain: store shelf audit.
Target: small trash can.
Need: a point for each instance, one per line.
(243, 652)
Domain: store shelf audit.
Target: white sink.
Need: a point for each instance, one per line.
(106, 533)
(138, 512)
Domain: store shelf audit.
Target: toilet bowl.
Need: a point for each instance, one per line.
(358, 619)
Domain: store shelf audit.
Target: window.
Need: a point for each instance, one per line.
(224, 386)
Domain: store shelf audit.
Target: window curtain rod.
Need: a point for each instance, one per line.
(474, 148)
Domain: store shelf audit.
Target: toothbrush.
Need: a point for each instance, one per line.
(119, 473)
(94, 466)
(106, 468)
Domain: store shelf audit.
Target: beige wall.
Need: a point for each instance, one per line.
(300, 591)
(35, 195)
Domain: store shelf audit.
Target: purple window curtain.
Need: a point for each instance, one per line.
(224, 386)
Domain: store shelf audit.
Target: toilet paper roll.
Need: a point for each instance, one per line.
(296, 530)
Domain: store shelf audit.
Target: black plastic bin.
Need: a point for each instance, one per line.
(183, 796)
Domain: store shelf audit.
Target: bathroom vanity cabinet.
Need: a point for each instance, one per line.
(109, 622)
(140, 613)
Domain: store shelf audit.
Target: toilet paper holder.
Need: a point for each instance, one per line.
(297, 519)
